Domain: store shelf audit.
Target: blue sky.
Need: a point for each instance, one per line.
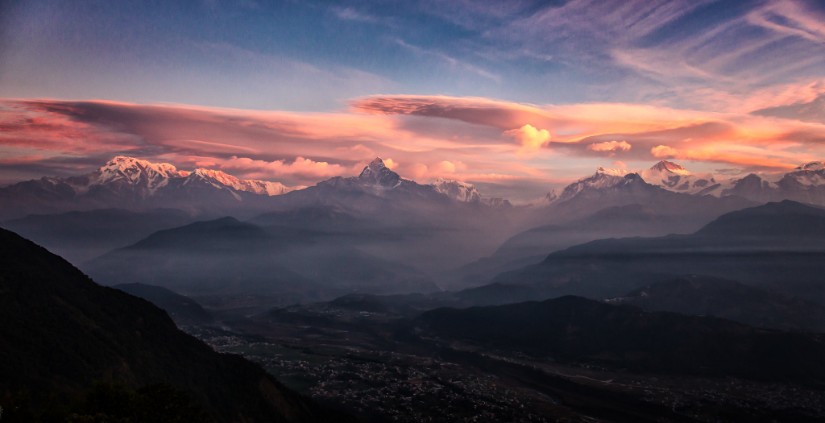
(305, 55)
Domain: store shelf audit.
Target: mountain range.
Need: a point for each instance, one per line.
(776, 246)
(135, 184)
(390, 234)
(805, 183)
(139, 185)
(229, 264)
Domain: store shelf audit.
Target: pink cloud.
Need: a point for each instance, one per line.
(301, 167)
(663, 151)
(610, 146)
(421, 137)
(530, 137)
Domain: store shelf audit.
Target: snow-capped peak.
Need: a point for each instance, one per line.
(377, 164)
(669, 167)
(147, 177)
(221, 179)
(377, 173)
(674, 177)
(813, 166)
(603, 178)
(611, 171)
(131, 169)
(217, 176)
(457, 190)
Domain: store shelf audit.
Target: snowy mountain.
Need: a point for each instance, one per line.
(665, 174)
(129, 171)
(222, 180)
(806, 183)
(146, 178)
(457, 190)
(377, 173)
(135, 184)
(376, 179)
(674, 177)
(376, 189)
(809, 174)
(602, 179)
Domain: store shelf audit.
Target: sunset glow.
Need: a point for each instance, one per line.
(519, 98)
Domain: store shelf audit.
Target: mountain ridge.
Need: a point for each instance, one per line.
(62, 332)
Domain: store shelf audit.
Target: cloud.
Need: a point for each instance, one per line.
(448, 167)
(451, 61)
(790, 18)
(530, 137)
(350, 14)
(300, 167)
(390, 163)
(809, 111)
(736, 138)
(293, 148)
(710, 154)
(663, 151)
(421, 137)
(611, 146)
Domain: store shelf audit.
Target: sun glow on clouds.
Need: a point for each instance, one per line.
(530, 138)
(300, 167)
(610, 146)
(421, 137)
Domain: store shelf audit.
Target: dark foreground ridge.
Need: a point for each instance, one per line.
(71, 346)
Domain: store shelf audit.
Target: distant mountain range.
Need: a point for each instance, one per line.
(79, 236)
(229, 264)
(418, 236)
(614, 203)
(129, 183)
(777, 246)
(806, 183)
(135, 184)
(378, 202)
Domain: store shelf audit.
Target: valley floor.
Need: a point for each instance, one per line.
(369, 370)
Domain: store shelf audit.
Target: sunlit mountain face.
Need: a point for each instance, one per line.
(420, 211)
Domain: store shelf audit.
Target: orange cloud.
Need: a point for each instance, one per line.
(414, 134)
(530, 137)
(663, 151)
(300, 167)
(720, 156)
(390, 163)
(610, 146)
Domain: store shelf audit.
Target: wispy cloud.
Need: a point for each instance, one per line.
(450, 60)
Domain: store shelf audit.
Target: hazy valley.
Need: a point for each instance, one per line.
(388, 300)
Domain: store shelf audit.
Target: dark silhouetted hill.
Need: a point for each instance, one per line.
(62, 333)
(578, 330)
(702, 295)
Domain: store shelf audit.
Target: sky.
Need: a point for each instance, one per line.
(517, 97)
